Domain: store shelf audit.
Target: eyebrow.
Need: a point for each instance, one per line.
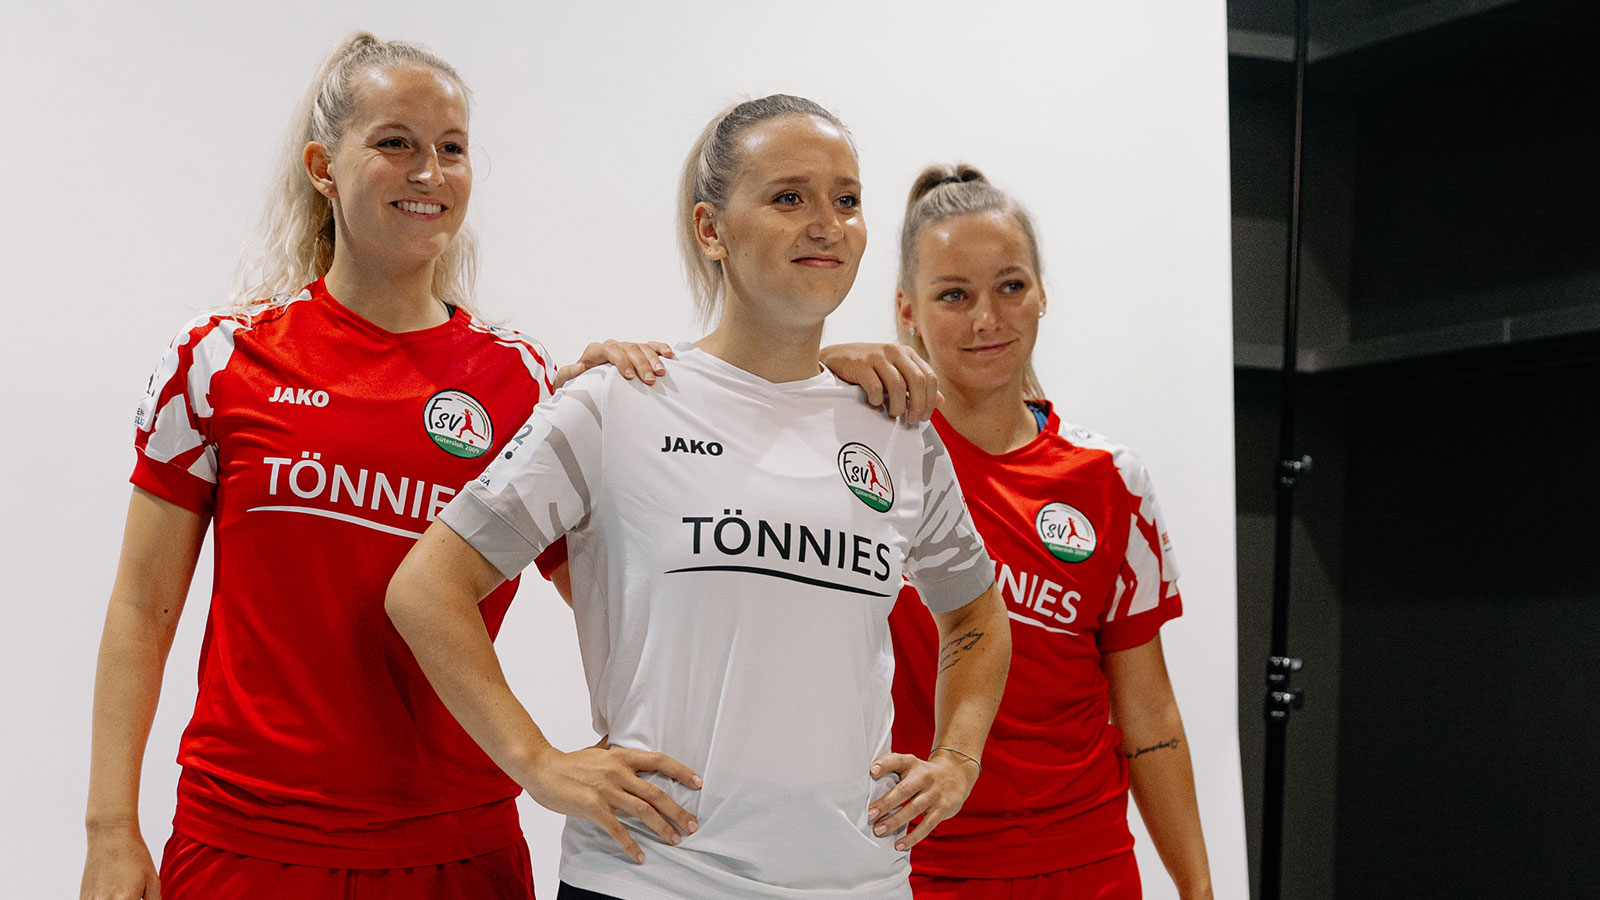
(957, 279)
(805, 179)
(401, 126)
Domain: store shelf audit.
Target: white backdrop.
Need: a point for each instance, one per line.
(138, 143)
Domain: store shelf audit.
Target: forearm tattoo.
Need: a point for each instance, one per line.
(956, 647)
(1166, 744)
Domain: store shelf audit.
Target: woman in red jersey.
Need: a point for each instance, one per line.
(1087, 572)
(319, 432)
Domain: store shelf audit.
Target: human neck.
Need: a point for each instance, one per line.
(396, 300)
(995, 420)
(777, 353)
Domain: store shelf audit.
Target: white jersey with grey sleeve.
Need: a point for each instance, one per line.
(736, 546)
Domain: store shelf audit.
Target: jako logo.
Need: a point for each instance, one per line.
(458, 423)
(866, 476)
(1066, 532)
(301, 397)
(670, 444)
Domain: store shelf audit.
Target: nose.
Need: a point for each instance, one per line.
(426, 169)
(825, 226)
(983, 312)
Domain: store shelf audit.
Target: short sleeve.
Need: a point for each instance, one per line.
(948, 564)
(1146, 592)
(541, 486)
(177, 455)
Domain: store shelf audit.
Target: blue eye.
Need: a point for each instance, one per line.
(849, 201)
(1011, 287)
(953, 295)
(393, 143)
(454, 148)
(788, 198)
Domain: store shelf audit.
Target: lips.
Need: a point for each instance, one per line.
(818, 262)
(419, 208)
(988, 349)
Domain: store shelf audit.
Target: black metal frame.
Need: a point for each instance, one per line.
(1281, 697)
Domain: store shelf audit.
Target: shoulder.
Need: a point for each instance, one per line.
(231, 320)
(530, 355)
(207, 341)
(1129, 466)
(500, 334)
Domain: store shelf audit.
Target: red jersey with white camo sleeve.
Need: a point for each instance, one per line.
(321, 446)
(1084, 565)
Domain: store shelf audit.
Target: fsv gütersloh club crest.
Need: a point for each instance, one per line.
(458, 423)
(866, 476)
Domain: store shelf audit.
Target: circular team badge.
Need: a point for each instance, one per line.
(866, 476)
(1066, 532)
(458, 423)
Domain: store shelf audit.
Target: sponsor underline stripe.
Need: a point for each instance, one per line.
(1038, 624)
(816, 582)
(329, 514)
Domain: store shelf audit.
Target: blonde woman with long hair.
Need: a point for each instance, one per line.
(318, 426)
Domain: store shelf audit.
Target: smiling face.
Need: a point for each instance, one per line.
(790, 235)
(975, 300)
(400, 177)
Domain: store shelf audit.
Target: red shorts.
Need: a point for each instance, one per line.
(1116, 878)
(191, 870)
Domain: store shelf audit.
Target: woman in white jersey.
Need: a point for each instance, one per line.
(1087, 572)
(318, 434)
(738, 535)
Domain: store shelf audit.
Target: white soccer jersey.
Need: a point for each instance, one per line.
(736, 546)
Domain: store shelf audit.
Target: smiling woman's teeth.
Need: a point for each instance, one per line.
(426, 209)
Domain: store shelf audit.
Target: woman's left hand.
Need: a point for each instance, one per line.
(892, 376)
(642, 361)
(932, 788)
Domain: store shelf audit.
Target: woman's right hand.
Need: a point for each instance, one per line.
(119, 867)
(598, 782)
(893, 377)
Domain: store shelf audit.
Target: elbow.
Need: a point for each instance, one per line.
(401, 600)
(1003, 645)
(1000, 627)
(999, 621)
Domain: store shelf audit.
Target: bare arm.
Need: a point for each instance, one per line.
(1143, 706)
(974, 657)
(160, 543)
(433, 601)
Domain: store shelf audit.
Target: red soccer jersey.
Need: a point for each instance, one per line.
(1083, 562)
(321, 446)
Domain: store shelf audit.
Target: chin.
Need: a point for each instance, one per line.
(982, 377)
(810, 308)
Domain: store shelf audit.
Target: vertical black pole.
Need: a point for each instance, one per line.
(1279, 696)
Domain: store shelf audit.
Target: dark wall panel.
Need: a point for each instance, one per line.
(1470, 695)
